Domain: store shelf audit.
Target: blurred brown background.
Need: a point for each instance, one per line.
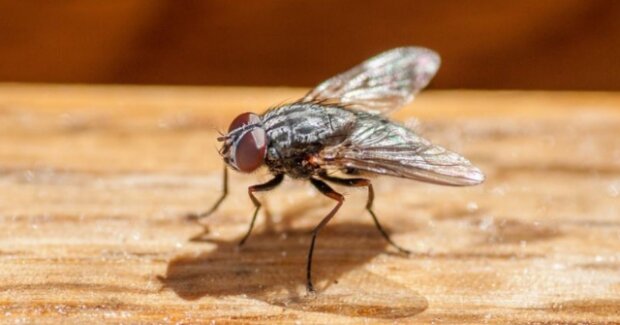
(561, 44)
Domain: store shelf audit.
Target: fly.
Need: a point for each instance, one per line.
(341, 127)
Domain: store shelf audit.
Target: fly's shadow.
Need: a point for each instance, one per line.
(271, 268)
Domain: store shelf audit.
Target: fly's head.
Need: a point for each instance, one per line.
(245, 145)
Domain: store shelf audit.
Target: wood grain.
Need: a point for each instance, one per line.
(96, 184)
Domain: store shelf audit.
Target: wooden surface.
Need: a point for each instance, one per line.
(96, 183)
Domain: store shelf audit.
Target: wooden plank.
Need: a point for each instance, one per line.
(95, 184)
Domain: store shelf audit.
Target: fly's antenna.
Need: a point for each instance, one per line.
(222, 137)
(224, 149)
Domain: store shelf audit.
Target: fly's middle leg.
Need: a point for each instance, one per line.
(329, 192)
(363, 182)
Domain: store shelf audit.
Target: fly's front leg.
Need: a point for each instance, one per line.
(363, 182)
(259, 188)
(219, 201)
(329, 192)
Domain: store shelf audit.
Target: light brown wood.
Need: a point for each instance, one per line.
(96, 183)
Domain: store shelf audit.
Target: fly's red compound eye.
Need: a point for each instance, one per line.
(243, 119)
(249, 151)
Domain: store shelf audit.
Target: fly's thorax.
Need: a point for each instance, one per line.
(298, 132)
(245, 144)
(302, 126)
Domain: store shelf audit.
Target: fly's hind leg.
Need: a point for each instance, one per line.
(363, 182)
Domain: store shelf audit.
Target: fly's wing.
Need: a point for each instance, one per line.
(382, 83)
(382, 147)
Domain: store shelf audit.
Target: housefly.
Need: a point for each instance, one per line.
(341, 127)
